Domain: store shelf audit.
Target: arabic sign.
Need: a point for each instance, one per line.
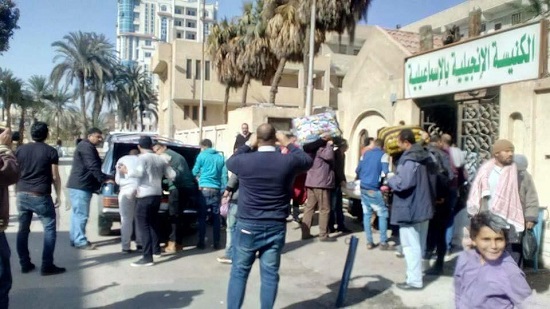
(506, 57)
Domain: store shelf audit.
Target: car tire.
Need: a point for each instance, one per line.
(104, 226)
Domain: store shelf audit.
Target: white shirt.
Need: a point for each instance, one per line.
(128, 185)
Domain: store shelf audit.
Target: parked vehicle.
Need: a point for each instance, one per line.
(119, 145)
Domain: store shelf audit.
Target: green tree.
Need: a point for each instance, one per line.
(223, 49)
(84, 58)
(10, 92)
(39, 89)
(9, 16)
(255, 60)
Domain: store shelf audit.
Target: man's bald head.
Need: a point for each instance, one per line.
(266, 134)
(446, 139)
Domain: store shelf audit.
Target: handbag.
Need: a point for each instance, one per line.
(530, 245)
(224, 207)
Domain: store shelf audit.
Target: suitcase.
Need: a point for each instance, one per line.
(390, 136)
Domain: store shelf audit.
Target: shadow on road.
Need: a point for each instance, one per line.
(355, 295)
(157, 300)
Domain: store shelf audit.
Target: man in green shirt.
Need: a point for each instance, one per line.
(181, 191)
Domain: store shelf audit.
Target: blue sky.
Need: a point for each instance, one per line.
(45, 21)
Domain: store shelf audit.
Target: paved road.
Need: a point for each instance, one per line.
(310, 276)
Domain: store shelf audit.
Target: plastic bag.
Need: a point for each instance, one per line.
(530, 245)
(310, 128)
(224, 206)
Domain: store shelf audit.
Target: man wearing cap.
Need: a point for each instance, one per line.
(149, 172)
(496, 188)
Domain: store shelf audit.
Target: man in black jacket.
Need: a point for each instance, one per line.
(85, 179)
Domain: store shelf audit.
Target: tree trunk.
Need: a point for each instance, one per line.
(276, 80)
(83, 106)
(22, 126)
(245, 89)
(98, 100)
(141, 120)
(226, 104)
(8, 114)
(57, 126)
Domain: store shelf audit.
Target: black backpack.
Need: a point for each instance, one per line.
(441, 174)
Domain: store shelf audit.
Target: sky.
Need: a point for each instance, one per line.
(43, 22)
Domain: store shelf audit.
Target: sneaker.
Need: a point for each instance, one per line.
(141, 263)
(370, 245)
(52, 270)
(127, 251)
(224, 260)
(28, 268)
(405, 286)
(384, 246)
(157, 255)
(88, 246)
(399, 254)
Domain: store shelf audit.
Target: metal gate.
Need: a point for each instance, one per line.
(473, 123)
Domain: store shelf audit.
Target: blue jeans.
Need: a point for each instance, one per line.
(266, 239)
(5, 271)
(43, 207)
(209, 199)
(372, 200)
(230, 229)
(413, 242)
(80, 204)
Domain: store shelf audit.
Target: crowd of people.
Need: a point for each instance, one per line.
(415, 194)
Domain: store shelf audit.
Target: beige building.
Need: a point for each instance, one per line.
(178, 67)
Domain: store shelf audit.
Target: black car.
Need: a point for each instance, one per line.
(119, 145)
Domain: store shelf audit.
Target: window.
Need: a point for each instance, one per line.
(206, 70)
(197, 69)
(177, 23)
(192, 12)
(195, 115)
(191, 24)
(339, 81)
(498, 26)
(190, 36)
(163, 29)
(137, 53)
(483, 27)
(163, 8)
(185, 111)
(178, 35)
(148, 43)
(147, 55)
(178, 11)
(189, 69)
(206, 13)
(516, 18)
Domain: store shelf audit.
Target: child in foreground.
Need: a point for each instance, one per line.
(487, 276)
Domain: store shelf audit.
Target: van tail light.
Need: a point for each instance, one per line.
(110, 202)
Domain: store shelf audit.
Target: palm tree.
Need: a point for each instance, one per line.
(223, 49)
(25, 102)
(256, 60)
(134, 93)
(39, 89)
(286, 36)
(539, 7)
(58, 108)
(85, 57)
(10, 92)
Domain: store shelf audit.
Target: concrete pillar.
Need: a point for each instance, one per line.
(426, 38)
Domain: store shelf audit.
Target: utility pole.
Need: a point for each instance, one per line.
(309, 94)
(201, 102)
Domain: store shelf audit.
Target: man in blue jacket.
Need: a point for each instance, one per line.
(413, 201)
(369, 171)
(265, 185)
(212, 174)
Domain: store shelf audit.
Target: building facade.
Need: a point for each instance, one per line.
(142, 24)
(178, 67)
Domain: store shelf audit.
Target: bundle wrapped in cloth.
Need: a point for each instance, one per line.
(390, 136)
(310, 128)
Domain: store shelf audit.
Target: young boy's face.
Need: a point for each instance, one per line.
(489, 243)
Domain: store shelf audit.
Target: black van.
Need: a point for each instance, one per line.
(119, 145)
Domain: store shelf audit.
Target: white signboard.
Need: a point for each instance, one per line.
(497, 59)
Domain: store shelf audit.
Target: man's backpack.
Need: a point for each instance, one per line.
(441, 174)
